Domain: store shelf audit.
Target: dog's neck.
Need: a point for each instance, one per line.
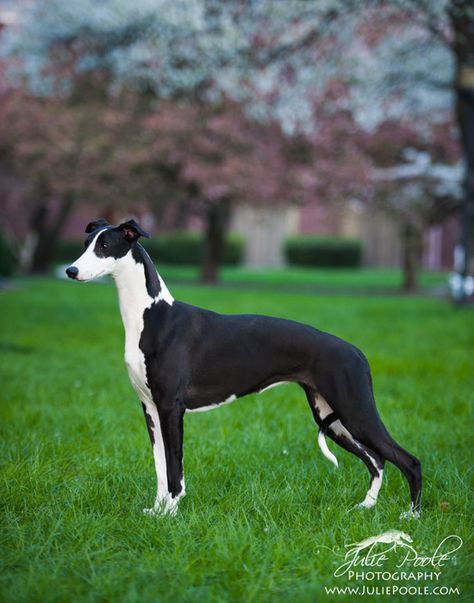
(139, 286)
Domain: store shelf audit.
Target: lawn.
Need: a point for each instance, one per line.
(266, 517)
(312, 280)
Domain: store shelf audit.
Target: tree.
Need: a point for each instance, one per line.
(186, 52)
(417, 181)
(179, 53)
(419, 193)
(461, 13)
(214, 156)
(62, 153)
(409, 58)
(441, 33)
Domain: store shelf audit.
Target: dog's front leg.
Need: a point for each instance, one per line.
(165, 427)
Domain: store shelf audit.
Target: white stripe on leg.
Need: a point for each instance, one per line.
(163, 502)
(338, 429)
(373, 492)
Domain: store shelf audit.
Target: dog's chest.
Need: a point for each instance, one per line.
(133, 303)
(135, 361)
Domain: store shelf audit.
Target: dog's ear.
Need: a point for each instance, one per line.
(132, 231)
(100, 223)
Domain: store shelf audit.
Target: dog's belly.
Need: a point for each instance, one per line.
(200, 398)
(231, 398)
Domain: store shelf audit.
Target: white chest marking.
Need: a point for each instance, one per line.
(134, 299)
(135, 361)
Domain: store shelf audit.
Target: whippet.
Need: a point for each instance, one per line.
(181, 359)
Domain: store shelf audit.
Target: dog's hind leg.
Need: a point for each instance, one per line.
(408, 464)
(351, 396)
(332, 426)
(365, 426)
(374, 462)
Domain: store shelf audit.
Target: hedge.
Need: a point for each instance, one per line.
(323, 251)
(187, 248)
(7, 258)
(68, 251)
(172, 248)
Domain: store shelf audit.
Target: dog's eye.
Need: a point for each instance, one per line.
(104, 245)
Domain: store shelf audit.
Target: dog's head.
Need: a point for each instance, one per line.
(105, 245)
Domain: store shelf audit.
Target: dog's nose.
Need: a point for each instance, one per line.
(72, 272)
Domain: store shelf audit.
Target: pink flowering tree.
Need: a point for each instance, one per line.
(57, 154)
(214, 157)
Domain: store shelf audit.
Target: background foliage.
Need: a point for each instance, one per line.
(193, 109)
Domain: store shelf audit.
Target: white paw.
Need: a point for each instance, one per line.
(162, 510)
(411, 514)
(165, 506)
(365, 504)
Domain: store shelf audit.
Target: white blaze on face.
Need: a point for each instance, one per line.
(90, 265)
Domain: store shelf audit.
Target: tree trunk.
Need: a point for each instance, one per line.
(47, 236)
(217, 220)
(462, 19)
(412, 242)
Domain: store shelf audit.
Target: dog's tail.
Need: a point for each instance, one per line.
(322, 440)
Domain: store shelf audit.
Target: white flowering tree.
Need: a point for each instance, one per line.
(419, 193)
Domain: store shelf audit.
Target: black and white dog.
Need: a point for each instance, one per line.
(185, 359)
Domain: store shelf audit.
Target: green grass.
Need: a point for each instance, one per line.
(266, 516)
(314, 280)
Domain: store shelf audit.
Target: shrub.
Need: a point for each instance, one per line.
(7, 258)
(187, 248)
(323, 251)
(172, 248)
(68, 251)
